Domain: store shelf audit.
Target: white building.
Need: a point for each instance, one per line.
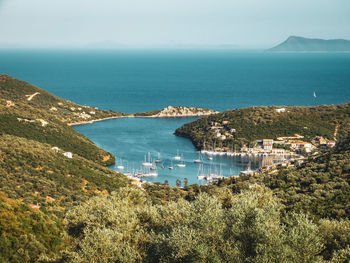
(281, 110)
(68, 155)
(267, 144)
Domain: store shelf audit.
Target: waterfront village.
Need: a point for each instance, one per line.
(287, 150)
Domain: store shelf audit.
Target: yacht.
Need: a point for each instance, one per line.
(182, 164)
(171, 167)
(199, 160)
(120, 166)
(177, 157)
(147, 163)
(158, 160)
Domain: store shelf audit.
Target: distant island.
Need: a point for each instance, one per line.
(302, 44)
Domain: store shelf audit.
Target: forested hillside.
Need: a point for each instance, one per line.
(34, 119)
(46, 167)
(244, 126)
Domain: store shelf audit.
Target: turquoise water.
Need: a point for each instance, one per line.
(141, 80)
(130, 139)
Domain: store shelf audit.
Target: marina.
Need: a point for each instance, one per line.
(140, 150)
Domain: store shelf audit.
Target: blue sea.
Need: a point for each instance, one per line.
(141, 80)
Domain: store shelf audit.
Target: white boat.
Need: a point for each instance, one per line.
(120, 166)
(248, 171)
(147, 163)
(200, 175)
(171, 167)
(210, 158)
(177, 157)
(315, 94)
(199, 160)
(182, 164)
(158, 160)
(152, 173)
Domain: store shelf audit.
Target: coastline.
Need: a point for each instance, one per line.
(96, 120)
(132, 116)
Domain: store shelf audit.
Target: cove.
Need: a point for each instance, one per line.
(130, 139)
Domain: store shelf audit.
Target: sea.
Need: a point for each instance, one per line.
(138, 80)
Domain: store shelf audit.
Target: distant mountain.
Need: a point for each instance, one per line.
(301, 44)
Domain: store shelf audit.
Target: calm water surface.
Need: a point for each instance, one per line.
(130, 139)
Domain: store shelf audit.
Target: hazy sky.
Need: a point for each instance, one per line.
(245, 23)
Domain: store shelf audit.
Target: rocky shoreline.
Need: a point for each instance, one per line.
(177, 112)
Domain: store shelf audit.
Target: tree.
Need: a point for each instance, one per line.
(178, 183)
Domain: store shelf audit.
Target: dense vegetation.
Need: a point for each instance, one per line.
(34, 120)
(256, 123)
(248, 227)
(26, 234)
(36, 174)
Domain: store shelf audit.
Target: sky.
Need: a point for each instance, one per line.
(155, 23)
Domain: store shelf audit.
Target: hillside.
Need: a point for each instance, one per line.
(34, 119)
(15, 91)
(37, 173)
(244, 126)
(301, 44)
(26, 233)
(46, 168)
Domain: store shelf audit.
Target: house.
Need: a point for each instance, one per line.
(9, 103)
(267, 144)
(35, 207)
(331, 143)
(321, 140)
(278, 151)
(244, 149)
(56, 149)
(225, 122)
(68, 155)
(281, 110)
(223, 137)
(300, 145)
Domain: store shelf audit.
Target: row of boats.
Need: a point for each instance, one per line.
(219, 153)
(149, 167)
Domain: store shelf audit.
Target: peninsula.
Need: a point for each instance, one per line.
(302, 44)
(176, 112)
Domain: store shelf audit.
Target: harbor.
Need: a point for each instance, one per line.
(131, 139)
